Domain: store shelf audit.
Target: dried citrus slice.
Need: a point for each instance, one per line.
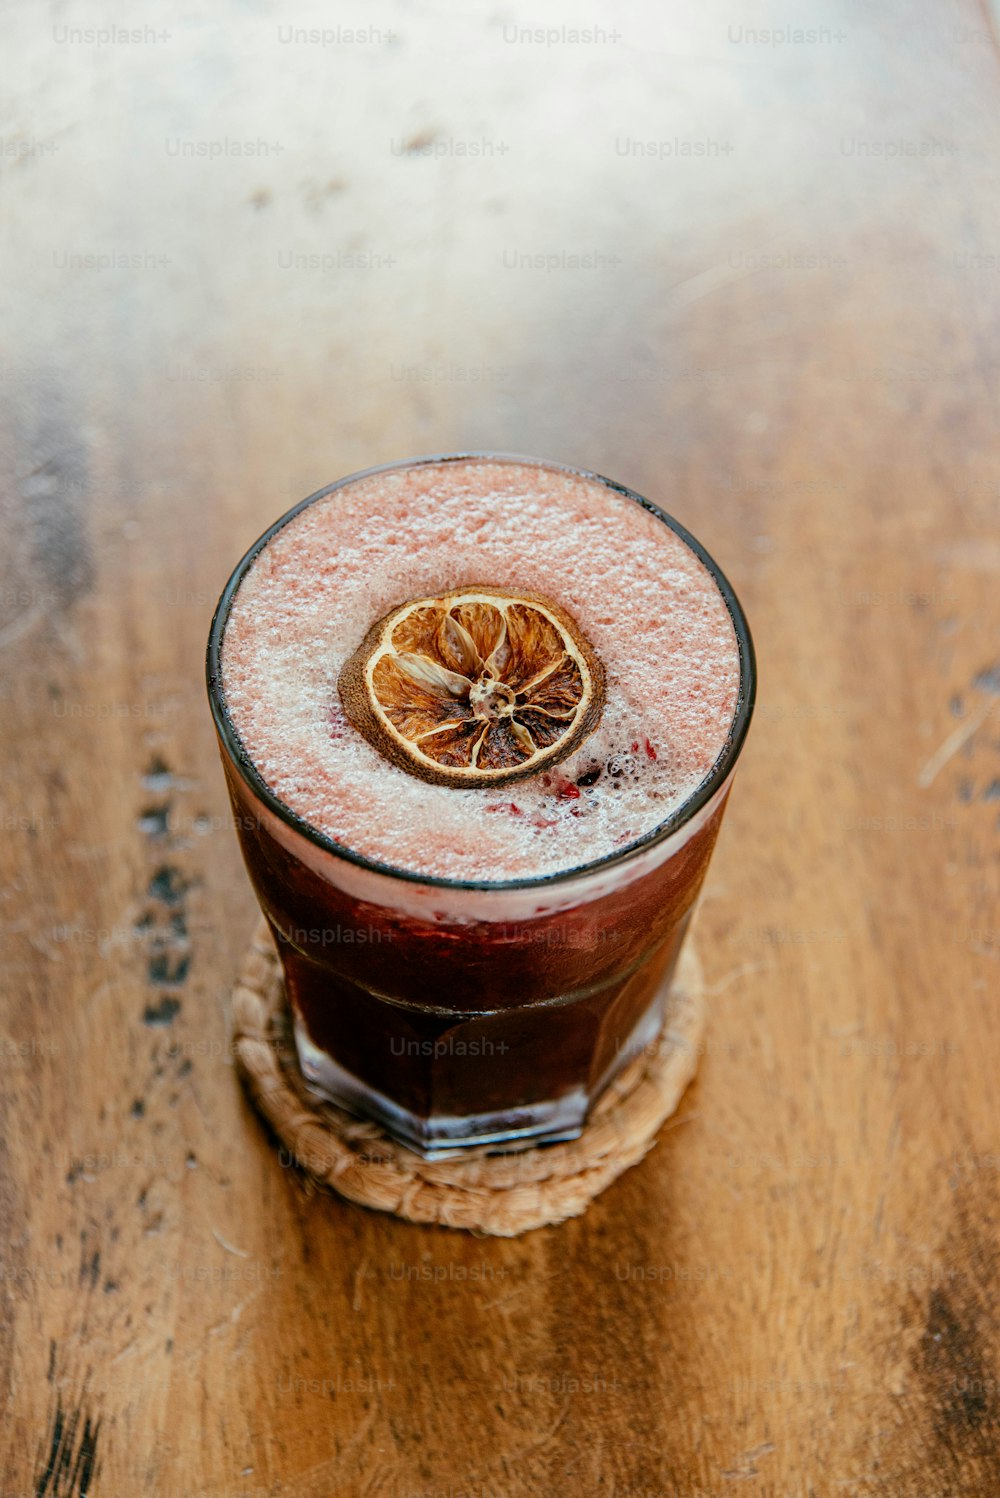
(476, 687)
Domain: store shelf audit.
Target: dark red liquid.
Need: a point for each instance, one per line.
(452, 1021)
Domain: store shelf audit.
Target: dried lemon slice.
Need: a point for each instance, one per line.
(476, 687)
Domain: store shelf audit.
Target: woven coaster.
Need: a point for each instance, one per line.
(484, 1192)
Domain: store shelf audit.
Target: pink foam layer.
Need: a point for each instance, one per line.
(649, 606)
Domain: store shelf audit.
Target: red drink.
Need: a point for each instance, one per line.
(478, 910)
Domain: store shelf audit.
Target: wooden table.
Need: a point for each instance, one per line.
(240, 263)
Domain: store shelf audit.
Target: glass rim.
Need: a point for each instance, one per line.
(699, 797)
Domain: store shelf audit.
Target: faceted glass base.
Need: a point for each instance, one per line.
(442, 1136)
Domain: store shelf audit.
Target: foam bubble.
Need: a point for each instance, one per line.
(648, 605)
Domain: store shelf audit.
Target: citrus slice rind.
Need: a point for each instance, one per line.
(474, 688)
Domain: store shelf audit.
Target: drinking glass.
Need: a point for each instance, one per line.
(459, 1012)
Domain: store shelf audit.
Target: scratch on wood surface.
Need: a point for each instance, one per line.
(90, 852)
(21, 625)
(538, 1443)
(747, 1468)
(238, 1310)
(41, 945)
(240, 1253)
(359, 1275)
(307, 1481)
(504, 1300)
(233, 1318)
(953, 744)
(704, 283)
(727, 979)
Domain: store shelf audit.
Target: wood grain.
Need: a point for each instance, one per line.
(768, 296)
